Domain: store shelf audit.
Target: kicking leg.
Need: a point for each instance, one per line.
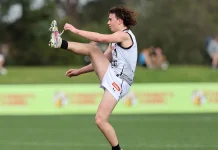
(104, 111)
(99, 62)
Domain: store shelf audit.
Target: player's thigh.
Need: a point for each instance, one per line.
(106, 106)
(99, 62)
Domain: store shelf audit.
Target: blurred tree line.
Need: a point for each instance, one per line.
(178, 27)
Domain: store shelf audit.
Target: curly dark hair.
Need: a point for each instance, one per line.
(127, 15)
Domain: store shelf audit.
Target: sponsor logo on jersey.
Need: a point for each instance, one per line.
(116, 86)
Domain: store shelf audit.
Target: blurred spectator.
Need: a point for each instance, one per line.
(153, 58)
(145, 58)
(160, 59)
(3, 52)
(3, 71)
(208, 40)
(212, 50)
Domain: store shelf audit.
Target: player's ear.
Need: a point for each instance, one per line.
(120, 21)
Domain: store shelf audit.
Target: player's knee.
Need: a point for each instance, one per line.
(99, 120)
(92, 49)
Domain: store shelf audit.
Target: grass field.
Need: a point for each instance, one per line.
(35, 75)
(136, 132)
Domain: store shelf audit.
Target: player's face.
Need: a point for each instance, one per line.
(113, 22)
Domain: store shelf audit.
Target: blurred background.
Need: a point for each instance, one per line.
(173, 103)
(180, 28)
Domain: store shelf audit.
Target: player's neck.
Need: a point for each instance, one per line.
(123, 28)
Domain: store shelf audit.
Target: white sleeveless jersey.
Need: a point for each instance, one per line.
(124, 59)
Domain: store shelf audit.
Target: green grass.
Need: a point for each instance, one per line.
(136, 132)
(35, 75)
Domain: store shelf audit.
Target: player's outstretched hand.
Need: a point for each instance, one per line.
(70, 27)
(72, 72)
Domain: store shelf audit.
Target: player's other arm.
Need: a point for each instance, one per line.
(88, 68)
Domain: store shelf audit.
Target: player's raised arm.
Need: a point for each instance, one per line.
(94, 36)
